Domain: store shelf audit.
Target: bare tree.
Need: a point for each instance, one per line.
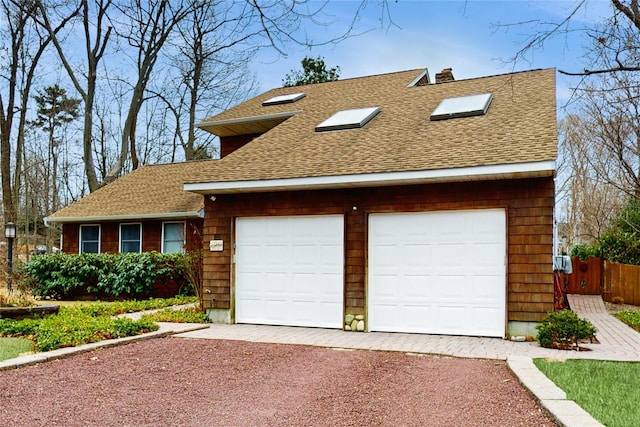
(23, 48)
(209, 72)
(147, 26)
(96, 32)
(614, 42)
(589, 201)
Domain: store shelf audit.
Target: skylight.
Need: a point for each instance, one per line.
(284, 99)
(348, 119)
(463, 106)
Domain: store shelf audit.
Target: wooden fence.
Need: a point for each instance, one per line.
(609, 279)
(621, 281)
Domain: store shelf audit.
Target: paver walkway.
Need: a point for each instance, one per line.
(616, 337)
(474, 347)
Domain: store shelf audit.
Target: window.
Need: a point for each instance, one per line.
(89, 239)
(130, 238)
(463, 106)
(283, 99)
(348, 119)
(172, 237)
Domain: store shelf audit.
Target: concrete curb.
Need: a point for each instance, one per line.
(33, 359)
(551, 397)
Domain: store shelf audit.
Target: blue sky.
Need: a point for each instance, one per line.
(463, 35)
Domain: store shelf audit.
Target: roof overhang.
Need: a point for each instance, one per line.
(475, 173)
(129, 217)
(246, 125)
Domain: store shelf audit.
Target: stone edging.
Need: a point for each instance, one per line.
(23, 312)
(551, 397)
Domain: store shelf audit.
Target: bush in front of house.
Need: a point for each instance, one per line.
(130, 275)
(563, 330)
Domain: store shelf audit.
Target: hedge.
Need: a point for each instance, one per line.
(130, 275)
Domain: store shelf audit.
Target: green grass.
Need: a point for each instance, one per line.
(607, 390)
(630, 317)
(14, 347)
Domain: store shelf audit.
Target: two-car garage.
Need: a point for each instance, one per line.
(440, 272)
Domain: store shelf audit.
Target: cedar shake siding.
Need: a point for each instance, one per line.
(229, 144)
(529, 209)
(151, 235)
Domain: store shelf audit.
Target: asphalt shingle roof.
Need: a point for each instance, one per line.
(519, 127)
(150, 191)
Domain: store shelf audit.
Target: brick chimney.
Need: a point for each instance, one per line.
(444, 76)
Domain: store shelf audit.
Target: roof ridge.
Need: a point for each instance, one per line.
(418, 70)
(185, 162)
(511, 73)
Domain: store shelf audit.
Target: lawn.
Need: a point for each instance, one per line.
(607, 390)
(14, 347)
(630, 317)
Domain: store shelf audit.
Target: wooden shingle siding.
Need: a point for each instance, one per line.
(110, 237)
(229, 144)
(151, 236)
(528, 203)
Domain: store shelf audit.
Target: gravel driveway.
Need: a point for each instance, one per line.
(191, 382)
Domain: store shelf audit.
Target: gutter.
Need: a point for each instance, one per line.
(250, 119)
(464, 174)
(130, 217)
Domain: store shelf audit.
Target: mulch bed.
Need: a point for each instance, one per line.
(191, 382)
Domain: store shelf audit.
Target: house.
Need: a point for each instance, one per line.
(146, 210)
(384, 203)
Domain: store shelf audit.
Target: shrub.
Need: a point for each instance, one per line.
(584, 251)
(563, 329)
(110, 275)
(125, 327)
(18, 328)
(186, 315)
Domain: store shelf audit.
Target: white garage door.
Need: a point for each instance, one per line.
(289, 270)
(438, 272)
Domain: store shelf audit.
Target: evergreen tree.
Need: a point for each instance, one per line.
(313, 71)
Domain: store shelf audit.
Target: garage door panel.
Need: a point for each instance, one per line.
(485, 319)
(289, 270)
(483, 290)
(450, 255)
(415, 254)
(416, 288)
(415, 315)
(304, 255)
(450, 288)
(430, 272)
(487, 253)
(385, 256)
